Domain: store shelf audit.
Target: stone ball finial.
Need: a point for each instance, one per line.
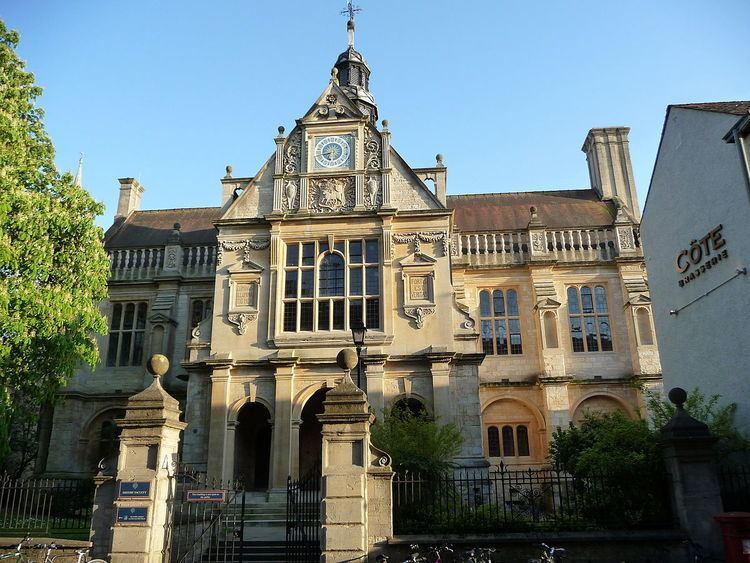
(158, 365)
(439, 159)
(677, 396)
(385, 124)
(229, 170)
(176, 226)
(532, 209)
(281, 129)
(346, 359)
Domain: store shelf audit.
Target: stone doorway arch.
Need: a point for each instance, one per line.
(252, 443)
(311, 434)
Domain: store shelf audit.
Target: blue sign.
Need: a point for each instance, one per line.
(132, 514)
(134, 489)
(206, 496)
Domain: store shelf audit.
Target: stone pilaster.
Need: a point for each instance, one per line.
(385, 137)
(557, 401)
(148, 453)
(374, 373)
(221, 378)
(278, 173)
(440, 369)
(281, 444)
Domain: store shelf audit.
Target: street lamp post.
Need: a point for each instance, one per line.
(358, 335)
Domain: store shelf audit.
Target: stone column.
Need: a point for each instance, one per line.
(689, 457)
(102, 511)
(148, 451)
(374, 373)
(440, 368)
(356, 478)
(217, 434)
(294, 463)
(281, 448)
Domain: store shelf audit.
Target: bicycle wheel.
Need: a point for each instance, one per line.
(96, 561)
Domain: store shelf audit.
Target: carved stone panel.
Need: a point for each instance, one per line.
(332, 195)
(373, 195)
(293, 153)
(372, 150)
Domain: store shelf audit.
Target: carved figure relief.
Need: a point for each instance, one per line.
(625, 236)
(171, 262)
(419, 314)
(419, 238)
(332, 195)
(372, 193)
(289, 202)
(242, 320)
(245, 245)
(372, 151)
(293, 153)
(537, 242)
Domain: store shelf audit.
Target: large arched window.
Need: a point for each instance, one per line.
(589, 319)
(331, 288)
(501, 325)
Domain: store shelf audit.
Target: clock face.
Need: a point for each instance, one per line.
(333, 151)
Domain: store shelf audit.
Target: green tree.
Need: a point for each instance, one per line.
(53, 268)
(618, 460)
(707, 409)
(417, 442)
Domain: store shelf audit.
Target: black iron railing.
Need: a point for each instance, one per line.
(735, 487)
(303, 518)
(504, 500)
(205, 520)
(59, 507)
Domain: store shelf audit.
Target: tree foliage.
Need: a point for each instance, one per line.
(417, 442)
(53, 269)
(707, 409)
(619, 459)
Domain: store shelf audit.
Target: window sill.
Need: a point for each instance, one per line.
(333, 338)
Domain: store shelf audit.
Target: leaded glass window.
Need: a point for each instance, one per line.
(127, 330)
(590, 329)
(328, 289)
(500, 321)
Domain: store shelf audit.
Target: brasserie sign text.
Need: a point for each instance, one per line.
(701, 256)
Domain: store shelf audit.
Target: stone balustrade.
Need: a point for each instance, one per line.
(518, 247)
(131, 264)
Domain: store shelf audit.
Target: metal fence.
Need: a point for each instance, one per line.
(303, 518)
(735, 487)
(205, 520)
(504, 500)
(59, 507)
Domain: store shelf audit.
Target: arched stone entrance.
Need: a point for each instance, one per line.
(252, 454)
(310, 434)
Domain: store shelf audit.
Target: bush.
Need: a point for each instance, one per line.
(619, 467)
(417, 442)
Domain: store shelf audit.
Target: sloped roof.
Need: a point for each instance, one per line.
(510, 211)
(735, 108)
(147, 228)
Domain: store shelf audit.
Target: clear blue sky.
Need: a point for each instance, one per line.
(171, 92)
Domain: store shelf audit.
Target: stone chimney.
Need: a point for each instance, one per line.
(130, 197)
(608, 155)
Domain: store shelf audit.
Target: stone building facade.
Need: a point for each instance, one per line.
(508, 314)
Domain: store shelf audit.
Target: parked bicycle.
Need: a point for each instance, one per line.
(478, 555)
(550, 554)
(21, 553)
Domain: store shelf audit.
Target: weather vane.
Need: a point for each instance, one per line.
(351, 10)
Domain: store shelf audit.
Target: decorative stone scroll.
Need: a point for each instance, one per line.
(293, 153)
(419, 314)
(332, 108)
(244, 245)
(372, 150)
(420, 237)
(242, 320)
(332, 195)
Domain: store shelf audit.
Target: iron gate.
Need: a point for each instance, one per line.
(205, 521)
(303, 518)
